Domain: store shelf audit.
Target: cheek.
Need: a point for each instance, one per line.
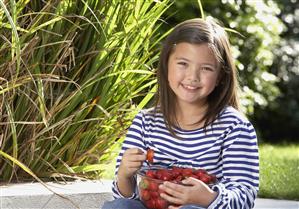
(211, 81)
(171, 74)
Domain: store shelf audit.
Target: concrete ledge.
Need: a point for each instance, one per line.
(79, 194)
(83, 195)
(262, 203)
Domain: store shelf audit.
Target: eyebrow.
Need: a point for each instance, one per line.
(182, 58)
(204, 64)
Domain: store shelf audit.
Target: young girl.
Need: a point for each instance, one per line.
(196, 123)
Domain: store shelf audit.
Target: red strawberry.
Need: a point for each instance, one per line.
(151, 204)
(194, 176)
(187, 172)
(145, 195)
(164, 174)
(179, 178)
(176, 171)
(150, 156)
(150, 173)
(200, 172)
(213, 178)
(153, 186)
(205, 178)
(154, 194)
(144, 183)
(161, 203)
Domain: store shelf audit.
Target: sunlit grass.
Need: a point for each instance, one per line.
(279, 169)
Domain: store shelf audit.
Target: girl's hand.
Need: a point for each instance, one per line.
(193, 192)
(132, 160)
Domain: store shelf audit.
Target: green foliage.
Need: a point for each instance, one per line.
(259, 26)
(279, 171)
(280, 119)
(72, 75)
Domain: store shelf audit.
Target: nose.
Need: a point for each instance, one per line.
(193, 75)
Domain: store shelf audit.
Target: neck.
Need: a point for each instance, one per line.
(189, 115)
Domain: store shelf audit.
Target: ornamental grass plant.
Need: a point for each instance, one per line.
(72, 75)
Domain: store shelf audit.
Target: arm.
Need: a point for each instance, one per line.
(239, 185)
(129, 161)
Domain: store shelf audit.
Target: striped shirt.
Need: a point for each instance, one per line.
(227, 148)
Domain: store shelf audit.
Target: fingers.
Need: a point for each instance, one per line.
(187, 193)
(132, 160)
(191, 181)
(134, 151)
(196, 183)
(172, 188)
(134, 155)
(173, 200)
(174, 193)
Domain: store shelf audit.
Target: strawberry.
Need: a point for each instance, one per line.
(161, 203)
(213, 178)
(151, 204)
(150, 173)
(205, 178)
(176, 172)
(144, 184)
(154, 194)
(187, 172)
(164, 174)
(153, 186)
(200, 172)
(150, 156)
(145, 195)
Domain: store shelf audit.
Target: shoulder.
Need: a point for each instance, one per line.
(231, 120)
(230, 114)
(149, 115)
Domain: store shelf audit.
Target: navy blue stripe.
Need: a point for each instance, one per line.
(241, 156)
(235, 168)
(243, 162)
(234, 149)
(230, 139)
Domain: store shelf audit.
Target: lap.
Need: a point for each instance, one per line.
(123, 203)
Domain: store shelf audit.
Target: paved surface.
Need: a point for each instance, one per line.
(83, 195)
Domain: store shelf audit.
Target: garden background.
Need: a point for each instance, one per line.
(74, 73)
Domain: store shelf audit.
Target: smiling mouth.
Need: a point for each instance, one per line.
(188, 87)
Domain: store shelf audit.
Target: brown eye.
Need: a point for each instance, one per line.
(182, 63)
(207, 69)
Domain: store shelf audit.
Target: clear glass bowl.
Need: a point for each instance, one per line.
(149, 178)
(148, 188)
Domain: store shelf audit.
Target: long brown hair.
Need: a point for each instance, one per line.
(198, 31)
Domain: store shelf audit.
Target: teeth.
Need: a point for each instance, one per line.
(190, 87)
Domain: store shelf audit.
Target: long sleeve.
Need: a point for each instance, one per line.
(134, 138)
(227, 148)
(239, 184)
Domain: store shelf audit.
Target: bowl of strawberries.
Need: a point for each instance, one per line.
(149, 178)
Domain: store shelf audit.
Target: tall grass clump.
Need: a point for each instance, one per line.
(72, 75)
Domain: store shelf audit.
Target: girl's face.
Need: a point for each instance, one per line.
(192, 73)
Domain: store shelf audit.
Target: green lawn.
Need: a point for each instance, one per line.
(279, 171)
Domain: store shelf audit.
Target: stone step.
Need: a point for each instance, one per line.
(70, 195)
(83, 195)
